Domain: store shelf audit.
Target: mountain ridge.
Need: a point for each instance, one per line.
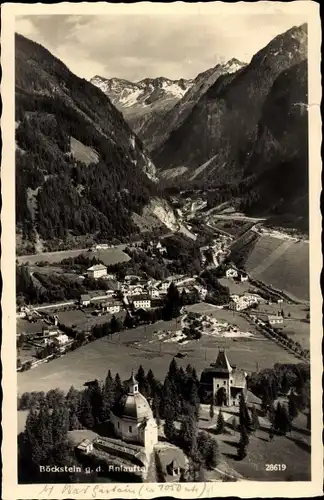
(57, 115)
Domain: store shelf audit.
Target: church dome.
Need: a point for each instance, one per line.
(133, 405)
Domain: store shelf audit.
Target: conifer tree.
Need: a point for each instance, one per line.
(211, 410)
(220, 426)
(108, 396)
(292, 407)
(86, 416)
(254, 419)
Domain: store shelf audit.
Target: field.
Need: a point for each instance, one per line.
(296, 326)
(83, 153)
(281, 263)
(109, 256)
(141, 346)
(85, 321)
(237, 287)
(281, 450)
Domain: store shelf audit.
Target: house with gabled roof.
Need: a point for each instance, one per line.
(223, 382)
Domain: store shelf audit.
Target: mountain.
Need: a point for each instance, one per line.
(182, 109)
(143, 103)
(80, 169)
(249, 131)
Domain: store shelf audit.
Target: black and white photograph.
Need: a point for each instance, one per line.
(163, 307)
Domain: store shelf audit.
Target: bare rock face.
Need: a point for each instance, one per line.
(143, 103)
(250, 126)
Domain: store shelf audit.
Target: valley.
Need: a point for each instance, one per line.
(162, 258)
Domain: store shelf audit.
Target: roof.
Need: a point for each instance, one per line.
(132, 405)
(139, 297)
(97, 267)
(222, 363)
(85, 297)
(85, 443)
(274, 316)
(172, 456)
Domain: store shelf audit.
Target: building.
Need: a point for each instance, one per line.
(97, 271)
(154, 293)
(231, 273)
(111, 307)
(272, 319)
(239, 303)
(202, 291)
(85, 300)
(86, 446)
(49, 331)
(132, 417)
(223, 382)
(61, 339)
(244, 277)
(141, 302)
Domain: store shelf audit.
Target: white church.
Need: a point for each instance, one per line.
(132, 418)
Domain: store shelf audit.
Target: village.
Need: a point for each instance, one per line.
(127, 320)
(49, 330)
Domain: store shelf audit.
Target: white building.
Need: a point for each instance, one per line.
(239, 303)
(85, 300)
(97, 271)
(154, 293)
(50, 331)
(231, 273)
(141, 302)
(86, 446)
(111, 307)
(201, 290)
(132, 418)
(275, 320)
(61, 339)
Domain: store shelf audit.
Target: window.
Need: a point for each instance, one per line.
(231, 381)
(224, 382)
(217, 385)
(130, 429)
(118, 425)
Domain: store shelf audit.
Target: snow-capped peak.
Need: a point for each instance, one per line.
(146, 92)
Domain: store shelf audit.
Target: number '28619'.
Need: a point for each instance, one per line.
(275, 467)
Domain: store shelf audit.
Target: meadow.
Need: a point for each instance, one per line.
(287, 270)
(109, 256)
(131, 348)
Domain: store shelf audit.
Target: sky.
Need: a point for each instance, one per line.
(153, 44)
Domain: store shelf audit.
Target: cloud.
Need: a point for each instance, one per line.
(139, 46)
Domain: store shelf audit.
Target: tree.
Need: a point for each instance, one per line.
(285, 386)
(211, 410)
(188, 431)
(292, 407)
(282, 421)
(254, 419)
(172, 303)
(243, 444)
(117, 387)
(220, 426)
(169, 429)
(86, 416)
(108, 396)
(115, 325)
(245, 420)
